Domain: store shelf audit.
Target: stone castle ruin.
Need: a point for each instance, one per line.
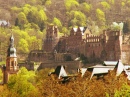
(108, 46)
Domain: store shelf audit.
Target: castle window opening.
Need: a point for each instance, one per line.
(8, 63)
(12, 63)
(15, 63)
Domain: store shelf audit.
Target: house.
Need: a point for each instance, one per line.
(4, 23)
(59, 74)
(103, 69)
(60, 71)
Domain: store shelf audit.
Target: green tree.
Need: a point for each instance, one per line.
(22, 20)
(26, 9)
(37, 17)
(101, 20)
(23, 46)
(116, 27)
(57, 22)
(86, 7)
(105, 5)
(21, 83)
(33, 15)
(42, 16)
(69, 4)
(16, 9)
(77, 18)
(65, 30)
(123, 92)
(123, 4)
(1, 76)
(100, 14)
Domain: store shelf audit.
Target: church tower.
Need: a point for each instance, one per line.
(11, 61)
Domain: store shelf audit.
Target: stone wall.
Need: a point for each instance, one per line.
(106, 46)
(40, 56)
(71, 66)
(51, 39)
(28, 66)
(125, 54)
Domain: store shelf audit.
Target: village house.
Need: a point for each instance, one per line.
(4, 23)
(102, 69)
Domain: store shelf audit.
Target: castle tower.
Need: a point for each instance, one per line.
(11, 61)
(51, 38)
(79, 32)
(72, 32)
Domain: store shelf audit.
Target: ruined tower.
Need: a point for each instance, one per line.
(51, 38)
(11, 61)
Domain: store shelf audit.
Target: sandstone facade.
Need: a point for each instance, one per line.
(107, 46)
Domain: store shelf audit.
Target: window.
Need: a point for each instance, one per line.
(8, 63)
(15, 63)
(12, 63)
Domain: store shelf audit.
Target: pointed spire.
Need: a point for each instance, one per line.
(11, 52)
(12, 41)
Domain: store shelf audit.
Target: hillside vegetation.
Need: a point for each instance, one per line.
(29, 19)
(30, 84)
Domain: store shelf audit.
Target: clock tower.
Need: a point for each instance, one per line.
(11, 61)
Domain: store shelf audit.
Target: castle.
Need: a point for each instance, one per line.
(107, 46)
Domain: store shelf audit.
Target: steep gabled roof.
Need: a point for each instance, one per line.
(60, 71)
(110, 63)
(81, 29)
(100, 69)
(119, 68)
(11, 52)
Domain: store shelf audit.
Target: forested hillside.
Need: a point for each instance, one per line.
(29, 18)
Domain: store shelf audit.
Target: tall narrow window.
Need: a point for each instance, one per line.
(12, 63)
(15, 63)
